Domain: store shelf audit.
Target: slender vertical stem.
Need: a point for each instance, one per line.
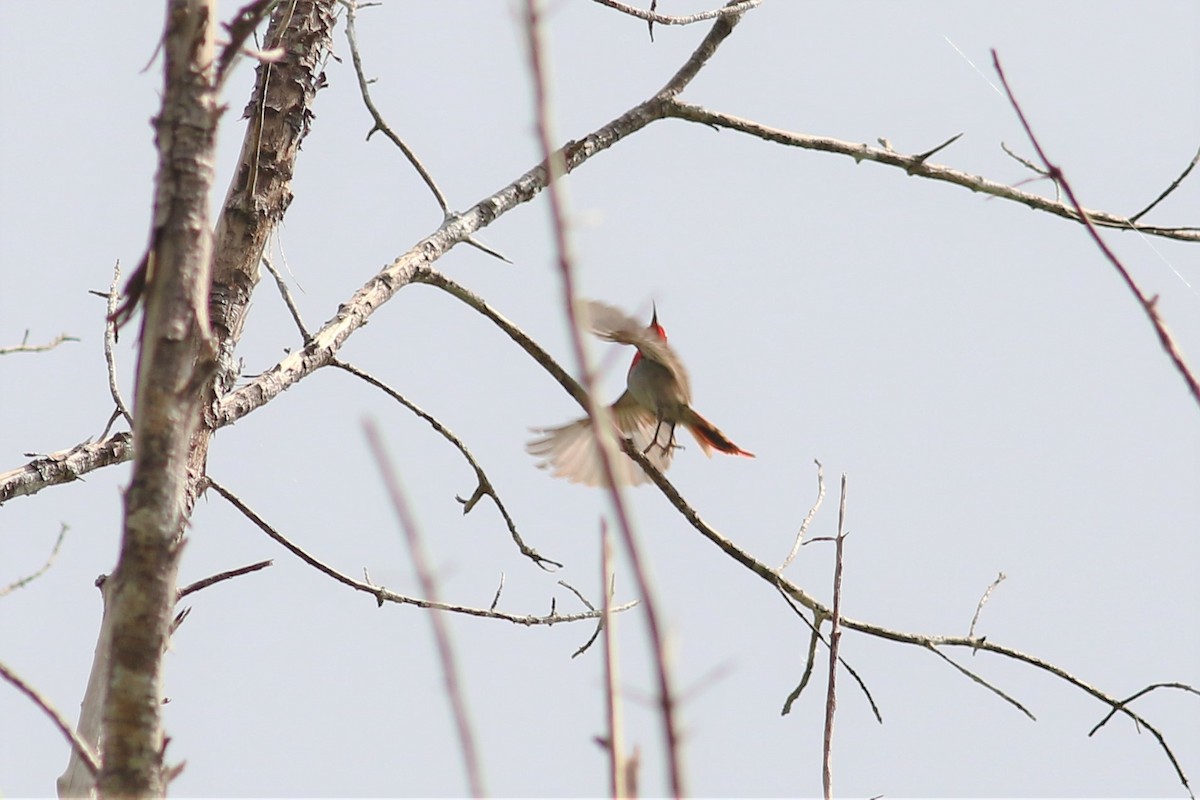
(835, 637)
(612, 692)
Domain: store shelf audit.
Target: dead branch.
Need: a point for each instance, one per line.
(730, 9)
(808, 518)
(915, 165)
(204, 583)
(835, 638)
(25, 581)
(382, 595)
(483, 483)
(78, 745)
(25, 347)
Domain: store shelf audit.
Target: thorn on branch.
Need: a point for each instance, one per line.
(921, 158)
(499, 589)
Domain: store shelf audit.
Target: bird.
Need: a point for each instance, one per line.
(657, 398)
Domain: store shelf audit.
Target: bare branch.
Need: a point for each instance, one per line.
(22, 582)
(808, 667)
(65, 466)
(1174, 185)
(110, 344)
(496, 597)
(380, 124)
(913, 165)
(1034, 168)
(990, 687)
(794, 592)
(25, 347)
(223, 576)
(731, 9)
(77, 744)
(700, 56)
(810, 662)
(288, 300)
(835, 639)
(983, 601)
(578, 594)
(812, 512)
(382, 595)
(1089, 220)
(441, 633)
(1143, 691)
(484, 484)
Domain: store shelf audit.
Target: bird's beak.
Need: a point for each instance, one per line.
(654, 315)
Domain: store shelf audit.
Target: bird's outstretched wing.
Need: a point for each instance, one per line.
(614, 325)
(570, 451)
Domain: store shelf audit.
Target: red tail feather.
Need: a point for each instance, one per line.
(711, 438)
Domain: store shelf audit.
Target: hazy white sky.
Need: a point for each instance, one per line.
(991, 388)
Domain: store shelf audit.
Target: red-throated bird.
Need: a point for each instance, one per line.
(657, 398)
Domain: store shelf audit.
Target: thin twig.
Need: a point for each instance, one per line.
(1148, 304)
(583, 648)
(812, 512)
(25, 347)
(77, 744)
(429, 587)
(587, 603)
(1174, 185)
(204, 583)
(383, 595)
(816, 633)
(378, 122)
(835, 640)
(979, 679)
(110, 345)
(987, 593)
(923, 157)
(483, 483)
(496, 596)
(1143, 691)
(1032, 167)
(810, 662)
(288, 300)
(21, 582)
(731, 9)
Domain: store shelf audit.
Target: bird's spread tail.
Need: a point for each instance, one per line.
(710, 437)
